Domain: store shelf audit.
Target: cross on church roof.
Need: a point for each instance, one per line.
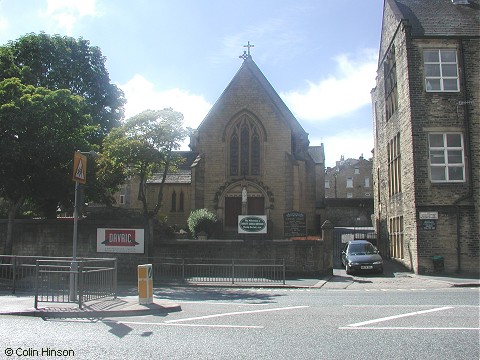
(246, 54)
(248, 46)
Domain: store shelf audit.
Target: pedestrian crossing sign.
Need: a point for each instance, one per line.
(79, 168)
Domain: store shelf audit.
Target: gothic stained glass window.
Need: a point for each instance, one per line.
(255, 154)
(234, 155)
(245, 148)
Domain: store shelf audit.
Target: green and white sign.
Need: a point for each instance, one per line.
(252, 224)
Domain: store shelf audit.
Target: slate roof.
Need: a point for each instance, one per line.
(437, 18)
(183, 175)
(317, 154)
(250, 66)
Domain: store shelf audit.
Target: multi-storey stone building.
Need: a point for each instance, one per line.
(349, 179)
(427, 134)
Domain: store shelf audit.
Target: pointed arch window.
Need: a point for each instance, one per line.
(182, 202)
(245, 148)
(255, 154)
(174, 202)
(234, 154)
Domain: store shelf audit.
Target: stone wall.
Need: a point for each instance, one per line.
(55, 238)
(348, 212)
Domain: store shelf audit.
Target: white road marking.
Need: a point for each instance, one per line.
(234, 313)
(219, 303)
(399, 305)
(188, 325)
(399, 316)
(406, 328)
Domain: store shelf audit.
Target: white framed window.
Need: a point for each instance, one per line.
(357, 171)
(349, 195)
(390, 78)
(446, 157)
(367, 182)
(327, 184)
(441, 70)
(396, 237)
(349, 182)
(394, 166)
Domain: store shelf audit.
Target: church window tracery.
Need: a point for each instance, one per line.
(245, 148)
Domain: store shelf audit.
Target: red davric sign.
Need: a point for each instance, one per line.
(120, 240)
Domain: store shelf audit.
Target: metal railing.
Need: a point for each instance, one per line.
(57, 281)
(18, 272)
(219, 270)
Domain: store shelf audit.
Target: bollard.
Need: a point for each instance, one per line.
(145, 284)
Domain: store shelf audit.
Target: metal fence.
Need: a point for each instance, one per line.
(219, 270)
(65, 281)
(18, 272)
(53, 278)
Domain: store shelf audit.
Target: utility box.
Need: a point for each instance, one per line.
(145, 284)
(438, 265)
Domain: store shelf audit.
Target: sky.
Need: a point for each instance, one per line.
(319, 55)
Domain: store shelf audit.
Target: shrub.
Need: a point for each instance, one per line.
(202, 220)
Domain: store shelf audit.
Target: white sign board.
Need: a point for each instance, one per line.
(121, 241)
(428, 215)
(252, 224)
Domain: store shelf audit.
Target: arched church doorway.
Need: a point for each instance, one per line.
(242, 198)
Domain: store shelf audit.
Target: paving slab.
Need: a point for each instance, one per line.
(108, 307)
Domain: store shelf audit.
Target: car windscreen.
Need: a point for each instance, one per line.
(361, 249)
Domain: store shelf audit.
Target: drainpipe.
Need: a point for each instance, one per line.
(468, 152)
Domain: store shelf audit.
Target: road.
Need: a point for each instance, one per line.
(221, 323)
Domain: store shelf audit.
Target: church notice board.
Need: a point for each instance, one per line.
(294, 224)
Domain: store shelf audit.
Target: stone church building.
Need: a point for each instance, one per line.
(250, 143)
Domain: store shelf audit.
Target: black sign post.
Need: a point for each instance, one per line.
(294, 224)
(430, 224)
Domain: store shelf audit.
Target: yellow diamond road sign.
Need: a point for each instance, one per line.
(79, 168)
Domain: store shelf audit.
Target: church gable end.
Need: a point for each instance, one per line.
(253, 150)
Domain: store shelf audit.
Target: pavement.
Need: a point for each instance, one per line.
(126, 303)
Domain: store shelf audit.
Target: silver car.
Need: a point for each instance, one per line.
(361, 255)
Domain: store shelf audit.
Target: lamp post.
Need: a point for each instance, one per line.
(80, 177)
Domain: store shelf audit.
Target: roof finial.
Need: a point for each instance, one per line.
(248, 46)
(246, 54)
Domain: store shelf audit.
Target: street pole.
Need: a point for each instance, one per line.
(79, 176)
(74, 265)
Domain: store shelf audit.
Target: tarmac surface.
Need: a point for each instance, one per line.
(126, 303)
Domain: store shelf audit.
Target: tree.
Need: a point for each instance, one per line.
(143, 146)
(39, 131)
(202, 220)
(60, 62)
(54, 63)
